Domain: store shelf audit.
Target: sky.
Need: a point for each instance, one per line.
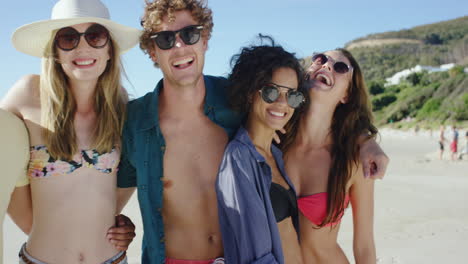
(301, 26)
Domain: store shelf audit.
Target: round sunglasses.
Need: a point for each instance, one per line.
(271, 92)
(338, 66)
(166, 39)
(68, 38)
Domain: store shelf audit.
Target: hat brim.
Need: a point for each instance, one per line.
(33, 38)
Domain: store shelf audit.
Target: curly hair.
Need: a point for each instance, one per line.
(253, 68)
(156, 10)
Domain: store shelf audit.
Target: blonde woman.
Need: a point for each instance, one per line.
(74, 112)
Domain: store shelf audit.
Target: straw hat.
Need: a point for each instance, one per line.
(33, 38)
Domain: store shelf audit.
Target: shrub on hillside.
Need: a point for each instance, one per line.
(460, 108)
(431, 106)
(433, 78)
(395, 88)
(456, 70)
(415, 78)
(433, 39)
(376, 87)
(382, 100)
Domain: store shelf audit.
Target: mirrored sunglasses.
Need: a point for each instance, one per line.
(271, 92)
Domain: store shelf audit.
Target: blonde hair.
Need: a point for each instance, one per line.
(156, 10)
(58, 106)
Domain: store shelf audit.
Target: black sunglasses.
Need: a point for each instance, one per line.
(338, 66)
(68, 38)
(166, 39)
(271, 92)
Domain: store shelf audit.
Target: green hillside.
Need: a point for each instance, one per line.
(430, 98)
(439, 43)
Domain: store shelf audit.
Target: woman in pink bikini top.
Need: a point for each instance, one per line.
(322, 161)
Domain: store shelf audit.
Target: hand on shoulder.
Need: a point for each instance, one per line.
(25, 92)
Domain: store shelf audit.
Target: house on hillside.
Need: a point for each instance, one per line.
(397, 77)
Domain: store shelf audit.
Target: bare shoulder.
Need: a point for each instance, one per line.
(24, 93)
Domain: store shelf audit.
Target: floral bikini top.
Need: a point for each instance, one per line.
(42, 165)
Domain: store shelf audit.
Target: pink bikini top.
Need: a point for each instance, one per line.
(42, 165)
(314, 207)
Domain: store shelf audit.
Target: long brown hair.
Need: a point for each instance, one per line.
(351, 121)
(58, 107)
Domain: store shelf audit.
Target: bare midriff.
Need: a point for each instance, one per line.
(72, 214)
(290, 242)
(320, 245)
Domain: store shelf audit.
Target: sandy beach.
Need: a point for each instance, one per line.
(421, 207)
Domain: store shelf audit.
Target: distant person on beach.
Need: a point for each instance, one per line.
(256, 200)
(74, 112)
(465, 150)
(454, 143)
(174, 138)
(441, 141)
(322, 160)
(14, 159)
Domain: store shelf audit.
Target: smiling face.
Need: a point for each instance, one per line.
(327, 85)
(277, 114)
(182, 65)
(84, 63)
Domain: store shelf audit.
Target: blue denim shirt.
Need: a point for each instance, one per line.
(143, 149)
(247, 220)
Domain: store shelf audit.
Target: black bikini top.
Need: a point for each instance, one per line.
(284, 203)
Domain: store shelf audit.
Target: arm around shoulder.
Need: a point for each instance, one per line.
(362, 201)
(15, 156)
(23, 93)
(373, 158)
